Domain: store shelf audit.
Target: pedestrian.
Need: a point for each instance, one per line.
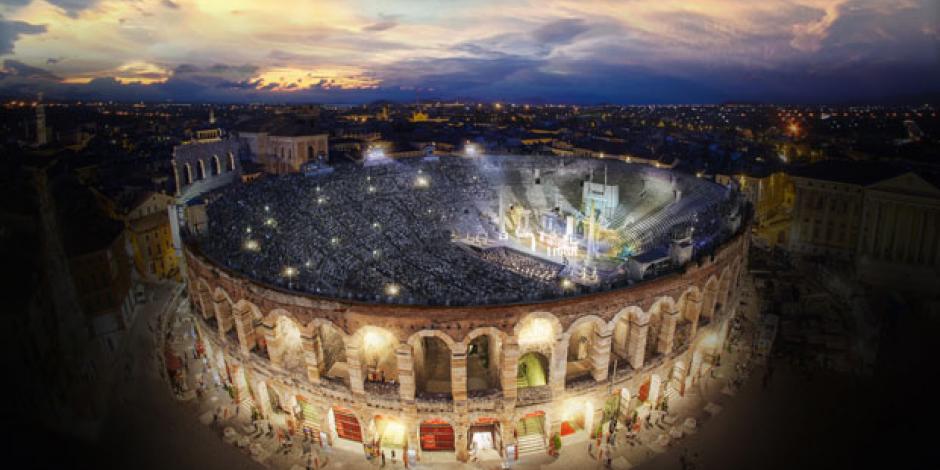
(393, 455)
(383, 458)
(608, 461)
(590, 448)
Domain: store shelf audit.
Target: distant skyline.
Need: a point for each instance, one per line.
(553, 51)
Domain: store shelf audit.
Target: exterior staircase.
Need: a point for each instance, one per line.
(532, 444)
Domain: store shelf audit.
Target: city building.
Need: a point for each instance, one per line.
(883, 218)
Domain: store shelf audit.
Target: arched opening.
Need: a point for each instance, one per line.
(225, 316)
(532, 370)
(216, 165)
(309, 419)
(580, 351)
(231, 161)
(432, 364)
(484, 439)
(689, 308)
(620, 342)
(483, 364)
(201, 170)
(389, 433)
(330, 350)
(709, 300)
(202, 302)
(436, 435)
(286, 349)
(344, 424)
(377, 356)
(654, 349)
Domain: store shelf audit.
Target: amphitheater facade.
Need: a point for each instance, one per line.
(443, 380)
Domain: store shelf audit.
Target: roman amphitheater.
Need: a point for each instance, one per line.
(445, 304)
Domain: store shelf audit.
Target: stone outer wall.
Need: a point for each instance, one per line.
(674, 327)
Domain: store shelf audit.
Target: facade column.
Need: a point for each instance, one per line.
(667, 330)
(310, 359)
(636, 345)
(354, 369)
(460, 439)
(507, 372)
(694, 307)
(558, 366)
(406, 373)
(600, 354)
(458, 380)
(223, 315)
(244, 328)
(268, 340)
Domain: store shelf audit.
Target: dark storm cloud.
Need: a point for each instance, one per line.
(73, 7)
(16, 68)
(10, 32)
(171, 4)
(560, 32)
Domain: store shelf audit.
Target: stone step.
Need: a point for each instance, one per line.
(531, 444)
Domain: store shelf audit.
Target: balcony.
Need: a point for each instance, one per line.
(428, 403)
(485, 400)
(533, 395)
(384, 389)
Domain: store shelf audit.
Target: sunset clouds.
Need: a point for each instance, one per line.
(564, 50)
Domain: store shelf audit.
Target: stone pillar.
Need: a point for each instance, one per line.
(693, 312)
(508, 371)
(460, 440)
(667, 330)
(600, 354)
(223, 315)
(655, 386)
(558, 366)
(268, 341)
(636, 345)
(310, 359)
(458, 377)
(406, 373)
(244, 328)
(354, 368)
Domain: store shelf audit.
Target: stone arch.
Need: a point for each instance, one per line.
(624, 330)
(416, 336)
(201, 170)
(328, 346)
(433, 362)
(724, 289)
(231, 161)
(375, 353)
(204, 299)
(223, 310)
(216, 168)
(588, 348)
(246, 316)
(709, 299)
(483, 347)
(661, 327)
(285, 347)
(525, 335)
(690, 308)
(533, 370)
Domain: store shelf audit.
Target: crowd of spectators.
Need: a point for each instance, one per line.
(386, 233)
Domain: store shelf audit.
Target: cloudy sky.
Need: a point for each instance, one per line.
(584, 51)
